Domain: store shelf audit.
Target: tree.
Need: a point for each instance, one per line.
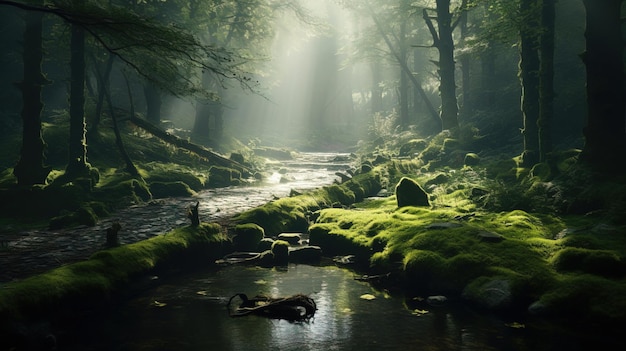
(605, 136)
(30, 168)
(442, 40)
(546, 78)
(529, 65)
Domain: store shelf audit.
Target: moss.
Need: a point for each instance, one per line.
(471, 159)
(170, 189)
(599, 262)
(89, 282)
(222, 176)
(169, 172)
(248, 236)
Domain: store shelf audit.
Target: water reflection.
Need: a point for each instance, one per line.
(189, 313)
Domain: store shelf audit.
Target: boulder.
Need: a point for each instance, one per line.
(248, 236)
(409, 193)
(305, 254)
(291, 238)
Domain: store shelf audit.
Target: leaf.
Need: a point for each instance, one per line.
(367, 297)
(260, 282)
(418, 312)
(158, 304)
(202, 292)
(515, 325)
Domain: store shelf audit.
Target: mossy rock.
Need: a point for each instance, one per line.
(605, 263)
(222, 176)
(248, 236)
(409, 193)
(471, 159)
(265, 244)
(170, 189)
(412, 147)
(280, 249)
(237, 157)
(274, 153)
(85, 215)
(305, 254)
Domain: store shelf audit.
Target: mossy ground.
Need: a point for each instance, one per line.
(96, 280)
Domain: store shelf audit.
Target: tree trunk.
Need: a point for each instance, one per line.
(403, 88)
(529, 79)
(447, 88)
(605, 131)
(77, 164)
(153, 103)
(102, 79)
(465, 69)
(546, 79)
(416, 84)
(29, 169)
(377, 91)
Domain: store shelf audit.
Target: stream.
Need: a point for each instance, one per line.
(187, 311)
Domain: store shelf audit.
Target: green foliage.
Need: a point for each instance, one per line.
(599, 262)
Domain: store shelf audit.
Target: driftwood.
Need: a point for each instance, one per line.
(292, 308)
(189, 146)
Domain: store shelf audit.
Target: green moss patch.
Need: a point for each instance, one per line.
(96, 279)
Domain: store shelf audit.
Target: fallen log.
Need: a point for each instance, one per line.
(292, 308)
(189, 146)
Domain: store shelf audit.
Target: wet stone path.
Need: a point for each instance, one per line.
(36, 251)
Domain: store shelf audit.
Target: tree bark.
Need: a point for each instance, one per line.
(77, 164)
(153, 103)
(377, 92)
(529, 79)
(30, 168)
(605, 135)
(403, 88)
(447, 88)
(465, 66)
(546, 79)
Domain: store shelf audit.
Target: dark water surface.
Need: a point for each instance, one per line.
(189, 313)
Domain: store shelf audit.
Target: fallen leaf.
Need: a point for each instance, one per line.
(368, 297)
(419, 312)
(202, 292)
(260, 282)
(515, 325)
(158, 304)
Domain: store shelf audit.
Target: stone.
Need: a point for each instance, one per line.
(436, 300)
(409, 193)
(291, 238)
(305, 254)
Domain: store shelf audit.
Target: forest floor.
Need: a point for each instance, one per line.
(560, 227)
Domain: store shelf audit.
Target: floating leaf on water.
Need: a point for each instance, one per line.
(346, 310)
(158, 304)
(202, 292)
(515, 325)
(418, 298)
(367, 297)
(260, 282)
(418, 312)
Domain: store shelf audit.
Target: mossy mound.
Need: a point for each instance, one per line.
(223, 176)
(247, 237)
(280, 250)
(293, 214)
(170, 189)
(409, 193)
(94, 281)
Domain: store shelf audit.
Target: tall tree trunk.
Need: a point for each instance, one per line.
(447, 88)
(403, 88)
(30, 169)
(153, 103)
(605, 137)
(546, 79)
(465, 68)
(377, 91)
(529, 79)
(77, 164)
(102, 79)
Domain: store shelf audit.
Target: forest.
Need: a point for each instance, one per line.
(484, 143)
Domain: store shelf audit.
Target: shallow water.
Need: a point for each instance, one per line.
(189, 313)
